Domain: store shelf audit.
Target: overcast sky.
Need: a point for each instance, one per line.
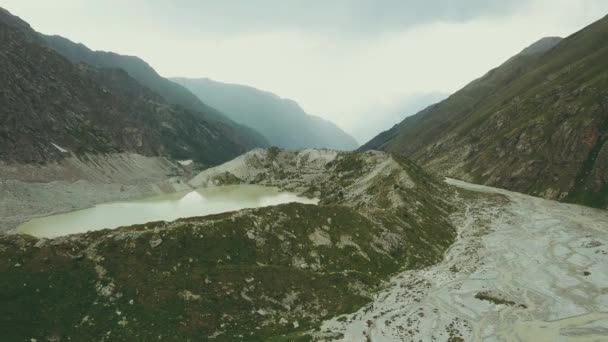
(344, 60)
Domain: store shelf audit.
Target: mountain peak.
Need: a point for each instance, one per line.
(19, 24)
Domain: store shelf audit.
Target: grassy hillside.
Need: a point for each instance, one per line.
(268, 274)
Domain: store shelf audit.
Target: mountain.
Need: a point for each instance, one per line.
(51, 107)
(148, 77)
(266, 274)
(282, 121)
(537, 124)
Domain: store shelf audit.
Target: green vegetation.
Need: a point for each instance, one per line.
(586, 190)
(489, 297)
(267, 274)
(207, 276)
(273, 152)
(348, 167)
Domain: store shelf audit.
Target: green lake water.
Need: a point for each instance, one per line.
(165, 207)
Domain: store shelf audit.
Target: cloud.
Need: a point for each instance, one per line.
(244, 16)
(344, 16)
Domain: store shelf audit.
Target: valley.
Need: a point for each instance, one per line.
(270, 273)
(403, 256)
(135, 206)
(522, 269)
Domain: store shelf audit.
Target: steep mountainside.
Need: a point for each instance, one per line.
(268, 274)
(538, 124)
(172, 92)
(282, 121)
(51, 107)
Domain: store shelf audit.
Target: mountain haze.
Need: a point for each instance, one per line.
(282, 121)
(537, 124)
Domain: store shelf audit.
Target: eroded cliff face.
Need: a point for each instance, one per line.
(537, 124)
(257, 274)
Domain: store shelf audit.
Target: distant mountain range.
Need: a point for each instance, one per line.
(282, 121)
(51, 105)
(537, 124)
(252, 118)
(144, 74)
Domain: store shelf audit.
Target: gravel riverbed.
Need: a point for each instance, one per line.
(522, 269)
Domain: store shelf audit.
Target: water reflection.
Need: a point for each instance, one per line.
(165, 207)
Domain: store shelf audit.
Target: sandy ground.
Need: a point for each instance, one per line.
(539, 268)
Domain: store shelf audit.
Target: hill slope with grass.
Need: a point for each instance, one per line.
(267, 274)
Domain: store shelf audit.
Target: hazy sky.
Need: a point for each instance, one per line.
(344, 60)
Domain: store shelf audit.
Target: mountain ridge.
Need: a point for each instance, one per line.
(140, 70)
(53, 107)
(536, 124)
(281, 120)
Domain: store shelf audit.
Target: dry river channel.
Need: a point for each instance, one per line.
(522, 269)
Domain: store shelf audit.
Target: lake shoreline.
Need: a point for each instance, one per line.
(28, 192)
(163, 207)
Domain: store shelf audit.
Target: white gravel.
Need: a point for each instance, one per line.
(549, 259)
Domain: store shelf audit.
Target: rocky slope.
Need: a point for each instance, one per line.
(145, 75)
(52, 107)
(537, 124)
(268, 274)
(282, 121)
